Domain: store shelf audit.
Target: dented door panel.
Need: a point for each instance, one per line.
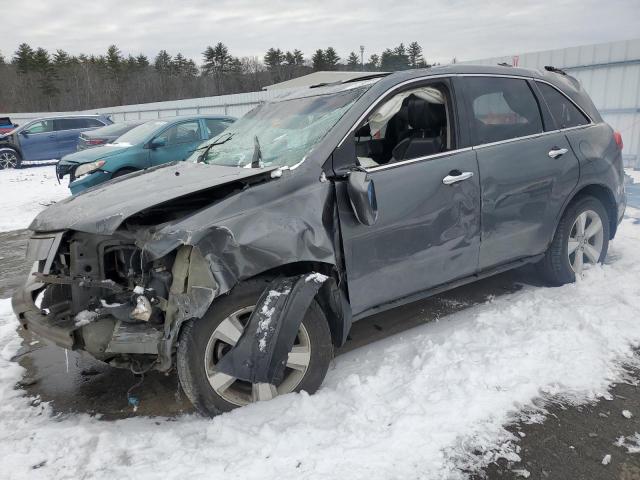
(427, 232)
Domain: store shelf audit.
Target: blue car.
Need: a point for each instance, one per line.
(152, 143)
(44, 139)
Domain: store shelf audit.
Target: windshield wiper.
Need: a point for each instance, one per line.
(206, 148)
(257, 153)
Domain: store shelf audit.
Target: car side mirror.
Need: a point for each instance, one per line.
(25, 133)
(362, 195)
(157, 143)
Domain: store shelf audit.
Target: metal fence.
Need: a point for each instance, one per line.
(235, 105)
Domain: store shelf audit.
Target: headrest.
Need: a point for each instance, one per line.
(424, 115)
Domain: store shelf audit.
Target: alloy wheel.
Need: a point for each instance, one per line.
(239, 392)
(8, 159)
(585, 241)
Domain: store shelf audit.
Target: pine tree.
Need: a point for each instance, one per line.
(61, 58)
(318, 60)
(274, 58)
(162, 62)
(295, 58)
(46, 74)
(353, 61)
(217, 60)
(113, 60)
(374, 62)
(23, 58)
(142, 60)
(414, 53)
(331, 59)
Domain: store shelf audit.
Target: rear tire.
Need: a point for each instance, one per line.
(582, 238)
(9, 158)
(196, 368)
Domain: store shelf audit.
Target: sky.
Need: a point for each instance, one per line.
(465, 29)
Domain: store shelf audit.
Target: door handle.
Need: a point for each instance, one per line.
(456, 176)
(556, 152)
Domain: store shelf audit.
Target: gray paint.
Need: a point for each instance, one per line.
(428, 236)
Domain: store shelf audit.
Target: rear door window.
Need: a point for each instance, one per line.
(500, 109)
(565, 113)
(215, 126)
(69, 124)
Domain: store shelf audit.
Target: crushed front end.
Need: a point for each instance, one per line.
(101, 294)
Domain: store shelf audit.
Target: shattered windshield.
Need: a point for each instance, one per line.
(279, 133)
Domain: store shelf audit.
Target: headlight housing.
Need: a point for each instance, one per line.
(88, 168)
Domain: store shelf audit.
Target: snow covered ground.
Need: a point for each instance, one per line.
(25, 192)
(635, 174)
(415, 405)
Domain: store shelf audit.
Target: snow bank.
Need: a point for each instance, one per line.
(27, 191)
(415, 405)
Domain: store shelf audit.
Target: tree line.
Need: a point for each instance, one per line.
(35, 80)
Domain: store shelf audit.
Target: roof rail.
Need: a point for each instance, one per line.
(550, 68)
(504, 64)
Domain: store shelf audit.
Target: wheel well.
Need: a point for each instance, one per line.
(298, 268)
(332, 300)
(124, 171)
(607, 199)
(12, 147)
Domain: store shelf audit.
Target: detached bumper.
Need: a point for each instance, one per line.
(33, 320)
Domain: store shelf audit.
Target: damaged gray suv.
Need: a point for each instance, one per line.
(244, 268)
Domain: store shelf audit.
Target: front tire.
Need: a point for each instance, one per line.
(581, 240)
(204, 341)
(9, 158)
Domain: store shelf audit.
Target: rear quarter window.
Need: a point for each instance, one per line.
(500, 109)
(564, 112)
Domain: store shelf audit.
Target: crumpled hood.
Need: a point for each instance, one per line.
(93, 154)
(103, 208)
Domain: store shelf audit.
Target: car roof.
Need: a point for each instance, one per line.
(380, 82)
(79, 115)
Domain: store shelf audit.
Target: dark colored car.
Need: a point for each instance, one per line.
(104, 135)
(6, 125)
(46, 138)
(245, 269)
(153, 143)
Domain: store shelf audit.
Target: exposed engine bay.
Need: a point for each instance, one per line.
(112, 300)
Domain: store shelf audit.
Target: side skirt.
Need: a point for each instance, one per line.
(447, 286)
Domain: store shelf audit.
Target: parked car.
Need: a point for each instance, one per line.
(6, 125)
(246, 268)
(152, 143)
(104, 135)
(46, 138)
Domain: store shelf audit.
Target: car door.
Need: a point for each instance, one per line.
(527, 167)
(38, 141)
(68, 132)
(177, 142)
(427, 230)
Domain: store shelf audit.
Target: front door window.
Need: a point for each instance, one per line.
(412, 124)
